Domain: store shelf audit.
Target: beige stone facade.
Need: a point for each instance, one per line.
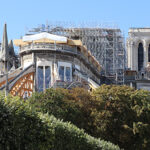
(55, 59)
(58, 63)
(137, 36)
(50, 61)
(138, 50)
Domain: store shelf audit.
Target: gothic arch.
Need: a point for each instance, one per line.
(149, 52)
(140, 56)
(138, 41)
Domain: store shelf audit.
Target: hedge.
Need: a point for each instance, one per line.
(22, 128)
(69, 137)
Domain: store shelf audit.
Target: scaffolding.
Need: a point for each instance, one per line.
(106, 44)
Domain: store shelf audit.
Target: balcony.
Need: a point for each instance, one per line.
(49, 47)
(59, 48)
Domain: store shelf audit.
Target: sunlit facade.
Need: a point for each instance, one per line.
(138, 48)
(50, 61)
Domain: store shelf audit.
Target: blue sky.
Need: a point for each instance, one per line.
(21, 15)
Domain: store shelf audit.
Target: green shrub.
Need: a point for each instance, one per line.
(118, 114)
(22, 128)
(69, 137)
(69, 105)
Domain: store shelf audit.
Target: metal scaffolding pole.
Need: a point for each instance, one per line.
(106, 44)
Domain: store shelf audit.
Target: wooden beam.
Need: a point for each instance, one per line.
(4, 82)
(23, 85)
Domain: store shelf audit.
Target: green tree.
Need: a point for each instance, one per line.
(69, 105)
(122, 116)
(118, 114)
(22, 128)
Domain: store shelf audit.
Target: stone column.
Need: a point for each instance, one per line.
(35, 73)
(145, 53)
(55, 71)
(135, 55)
(131, 54)
(129, 50)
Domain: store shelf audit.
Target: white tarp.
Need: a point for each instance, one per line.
(44, 35)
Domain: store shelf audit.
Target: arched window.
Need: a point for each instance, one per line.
(140, 56)
(149, 53)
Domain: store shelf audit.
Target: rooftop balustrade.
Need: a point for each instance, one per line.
(48, 46)
(57, 47)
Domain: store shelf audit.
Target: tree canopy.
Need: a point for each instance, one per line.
(122, 115)
(119, 114)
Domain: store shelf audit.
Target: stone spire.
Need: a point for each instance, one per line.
(11, 48)
(5, 49)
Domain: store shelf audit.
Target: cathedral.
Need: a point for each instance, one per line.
(7, 54)
(138, 49)
(46, 61)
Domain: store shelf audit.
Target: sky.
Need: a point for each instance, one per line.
(21, 15)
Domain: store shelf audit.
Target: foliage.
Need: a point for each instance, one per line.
(69, 137)
(118, 114)
(122, 116)
(69, 105)
(20, 128)
(23, 128)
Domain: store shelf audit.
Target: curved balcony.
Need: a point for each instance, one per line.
(49, 47)
(59, 48)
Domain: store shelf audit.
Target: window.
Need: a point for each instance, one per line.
(140, 56)
(65, 70)
(44, 77)
(47, 76)
(149, 53)
(40, 78)
(68, 71)
(61, 73)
